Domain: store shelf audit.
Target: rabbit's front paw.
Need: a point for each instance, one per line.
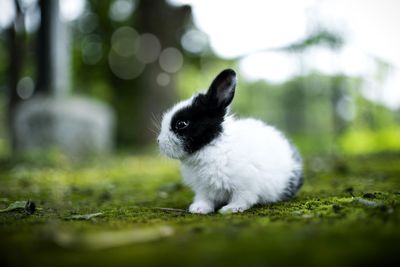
(200, 208)
(232, 209)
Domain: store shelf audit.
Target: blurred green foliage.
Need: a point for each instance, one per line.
(323, 114)
(307, 109)
(319, 38)
(366, 141)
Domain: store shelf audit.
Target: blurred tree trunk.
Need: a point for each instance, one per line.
(45, 70)
(147, 98)
(52, 52)
(16, 37)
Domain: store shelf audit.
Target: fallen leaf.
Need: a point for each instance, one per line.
(84, 216)
(28, 206)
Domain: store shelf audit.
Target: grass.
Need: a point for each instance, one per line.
(347, 214)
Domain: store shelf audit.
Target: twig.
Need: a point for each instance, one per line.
(171, 210)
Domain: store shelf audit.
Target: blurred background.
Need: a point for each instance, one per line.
(82, 78)
(85, 76)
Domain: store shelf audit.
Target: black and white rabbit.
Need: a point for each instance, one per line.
(228, 162)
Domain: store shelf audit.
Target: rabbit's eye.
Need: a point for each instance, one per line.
(181, 125)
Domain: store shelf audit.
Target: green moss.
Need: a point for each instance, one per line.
(346, 214)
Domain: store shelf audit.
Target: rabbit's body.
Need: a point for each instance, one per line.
(250, 159)
(234, 163)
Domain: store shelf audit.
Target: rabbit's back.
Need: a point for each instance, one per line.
(248, 155)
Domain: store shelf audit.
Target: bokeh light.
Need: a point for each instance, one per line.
(126, 68)
(163, 79)
(120, 10)
(71, 9)
(171, 60)
(194, 41)
(7, 8)
(92, 49)
(149, 48)
(124, 41)
(25, 87)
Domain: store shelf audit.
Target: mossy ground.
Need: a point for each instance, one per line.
(346, 214)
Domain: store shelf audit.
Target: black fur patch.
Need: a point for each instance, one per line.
(205, 123)
(296, 181)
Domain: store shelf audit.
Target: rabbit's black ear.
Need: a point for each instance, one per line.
(222, 89)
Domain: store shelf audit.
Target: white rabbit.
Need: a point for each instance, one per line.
(228, 162)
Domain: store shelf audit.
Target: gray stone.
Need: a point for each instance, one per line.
(75, 125)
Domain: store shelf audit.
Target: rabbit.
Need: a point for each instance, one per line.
(231, 164)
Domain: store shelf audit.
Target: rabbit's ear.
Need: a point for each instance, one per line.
(222, 89)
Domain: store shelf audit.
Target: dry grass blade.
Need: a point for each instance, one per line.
(172, 210)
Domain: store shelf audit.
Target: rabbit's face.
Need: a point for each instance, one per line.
(192, 124)
(189, 126)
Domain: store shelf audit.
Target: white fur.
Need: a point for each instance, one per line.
(249, 163)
